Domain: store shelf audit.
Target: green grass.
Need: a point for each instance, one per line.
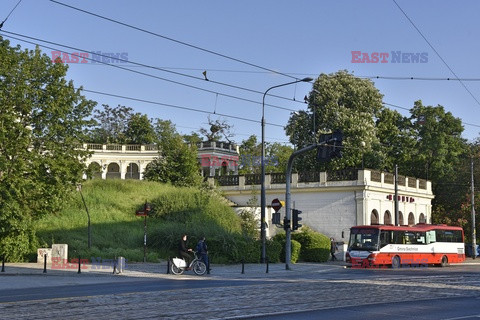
(116, 230)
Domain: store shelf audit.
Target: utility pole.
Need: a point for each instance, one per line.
(474, 233)
(397, 215)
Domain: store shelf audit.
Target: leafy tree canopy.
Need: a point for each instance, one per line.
(177, 161)
(41, 125)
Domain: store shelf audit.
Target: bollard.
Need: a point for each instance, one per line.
(45, 264)
(3, 263)
(266, 261)
(208, 265)
(115, 265)
(243, 266)
(168, 265)
(79, 271)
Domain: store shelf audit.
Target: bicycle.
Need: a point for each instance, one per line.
(197, 265)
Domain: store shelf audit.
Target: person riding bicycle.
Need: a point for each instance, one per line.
(183, 251)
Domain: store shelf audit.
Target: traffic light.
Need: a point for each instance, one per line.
(330, 146)
(295, 219)
(276, 218)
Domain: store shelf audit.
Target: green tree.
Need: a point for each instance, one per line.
(110, 124)
(250, 152)
(276, 156)
(218, 129)
(41, 125)
(139, 130)
(177, 161)
(338, 101)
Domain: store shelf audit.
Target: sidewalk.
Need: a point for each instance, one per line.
(26, 275)
(159, 269)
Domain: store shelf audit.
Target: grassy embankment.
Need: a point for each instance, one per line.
(116, 231)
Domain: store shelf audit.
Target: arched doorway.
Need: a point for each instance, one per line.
(374, 217)
(113, 171)
(387, 218)
(94, 171)
(132, 171)
(411, 219)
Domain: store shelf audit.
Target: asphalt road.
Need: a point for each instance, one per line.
(316, 292)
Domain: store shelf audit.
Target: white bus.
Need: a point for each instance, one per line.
(421, 245)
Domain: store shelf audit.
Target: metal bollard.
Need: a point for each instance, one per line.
(3, 263)
(79, 271)
(45, 264)
(243, 266)
(115, 265)
(208, 265)
(168, 265)
(266, 261)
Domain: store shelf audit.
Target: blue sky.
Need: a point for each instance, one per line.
(300, 38)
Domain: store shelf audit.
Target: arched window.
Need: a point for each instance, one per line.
(374, 217)
(400, 218)
(224, 168)
(387, 218)
(422, 218)
(411, 219)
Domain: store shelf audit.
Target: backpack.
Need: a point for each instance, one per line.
(199, 247)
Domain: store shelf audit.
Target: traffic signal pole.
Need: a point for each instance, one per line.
(288, 200)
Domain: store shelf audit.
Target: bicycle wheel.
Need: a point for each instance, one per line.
(175, 270)
(199, 268)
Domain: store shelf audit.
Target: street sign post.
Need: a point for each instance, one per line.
(276, 205)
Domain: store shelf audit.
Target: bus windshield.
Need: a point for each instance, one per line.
(363, 239)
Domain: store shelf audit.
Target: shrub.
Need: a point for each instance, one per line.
(315, 247)
(294, 245)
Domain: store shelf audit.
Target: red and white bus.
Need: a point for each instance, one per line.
(420, 245)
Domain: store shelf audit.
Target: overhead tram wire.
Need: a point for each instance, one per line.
(175, 106)
(436, 52)
(404, 108)
(1, 23)
(147, 66)
(419, 78)
(7, 34)
(174, 40)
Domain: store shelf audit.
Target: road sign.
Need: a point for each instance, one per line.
(277, 204)
(141, 213)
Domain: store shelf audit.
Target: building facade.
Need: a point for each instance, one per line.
(331, 203)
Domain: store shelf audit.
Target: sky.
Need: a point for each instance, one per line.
(248, 46)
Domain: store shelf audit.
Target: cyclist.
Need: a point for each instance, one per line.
(183, 251)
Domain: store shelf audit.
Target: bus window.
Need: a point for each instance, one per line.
(431, 236)
(449, 235)
(384, 238)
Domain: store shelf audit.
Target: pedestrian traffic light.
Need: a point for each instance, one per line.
(296, 219)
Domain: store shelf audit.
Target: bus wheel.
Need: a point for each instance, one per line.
(396, 262)
(444, 262)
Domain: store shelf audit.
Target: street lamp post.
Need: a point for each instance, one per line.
(262, 197)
